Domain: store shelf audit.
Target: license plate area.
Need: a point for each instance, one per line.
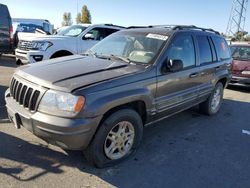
(15, 118)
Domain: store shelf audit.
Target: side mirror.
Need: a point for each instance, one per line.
(173, 65)
(89, 36)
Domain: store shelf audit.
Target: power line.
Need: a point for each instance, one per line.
(237, 18)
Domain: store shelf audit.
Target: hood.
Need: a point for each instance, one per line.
(72, 72)
(240, 65)
(41, 37)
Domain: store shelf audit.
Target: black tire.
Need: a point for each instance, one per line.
(95, 152)
(206, 107)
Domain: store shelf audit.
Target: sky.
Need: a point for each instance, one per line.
(209, 14)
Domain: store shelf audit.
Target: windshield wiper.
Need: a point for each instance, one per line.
(89, 52)
(125, 59)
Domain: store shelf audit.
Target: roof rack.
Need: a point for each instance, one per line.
(192, 27)
(176, 27)
(114, 25)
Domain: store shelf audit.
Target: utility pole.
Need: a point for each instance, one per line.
(237, 18)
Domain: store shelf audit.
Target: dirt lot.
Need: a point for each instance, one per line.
(187, 150)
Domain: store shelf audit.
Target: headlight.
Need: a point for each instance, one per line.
(61, 104)
(42, 46)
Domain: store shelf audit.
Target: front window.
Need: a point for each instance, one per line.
(138, 47)
(241, 52)
(73, 31)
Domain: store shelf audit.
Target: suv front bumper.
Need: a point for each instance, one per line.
(240, 81)
(30, 56)
(72, 134)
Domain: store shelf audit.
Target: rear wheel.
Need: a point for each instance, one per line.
(117, 138)
(212, 105)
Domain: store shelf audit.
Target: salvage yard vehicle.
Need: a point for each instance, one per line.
(6, 30)
(241, 64)
(73, 40)
(99, 102)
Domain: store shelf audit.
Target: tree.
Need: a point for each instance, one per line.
(67, 20)
(84, 16)
(240, 35)
(79, 18)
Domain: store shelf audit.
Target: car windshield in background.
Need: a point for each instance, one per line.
(241, 52)
(73, 31)
(132, 46)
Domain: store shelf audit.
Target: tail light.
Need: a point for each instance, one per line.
(11, 35)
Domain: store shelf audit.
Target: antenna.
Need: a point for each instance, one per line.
(237, 18)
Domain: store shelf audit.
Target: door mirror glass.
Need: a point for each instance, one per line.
(89, 36)
(173, 65)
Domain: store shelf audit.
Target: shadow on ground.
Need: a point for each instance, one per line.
(3, 113)
(7, 61)
(239, 88)
(186, 150)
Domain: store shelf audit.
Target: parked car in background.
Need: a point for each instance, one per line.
(72, 40)
(24, 25)
(6, 30)
(100, 102)
(241, 64)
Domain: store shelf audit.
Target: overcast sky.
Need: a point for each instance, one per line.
(211, 14)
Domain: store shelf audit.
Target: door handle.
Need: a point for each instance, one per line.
(194, 75)
(218, 68)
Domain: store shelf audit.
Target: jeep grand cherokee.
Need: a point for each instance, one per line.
(100, 102)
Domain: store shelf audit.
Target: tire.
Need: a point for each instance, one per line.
(209, 107)
(97, 153)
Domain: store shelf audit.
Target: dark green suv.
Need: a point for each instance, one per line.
(99, 102)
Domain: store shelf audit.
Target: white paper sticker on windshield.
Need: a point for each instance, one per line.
(157, 36)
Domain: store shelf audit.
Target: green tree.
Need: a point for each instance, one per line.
(67, 19)
(79, 18)
(84, 16)
(240, 35)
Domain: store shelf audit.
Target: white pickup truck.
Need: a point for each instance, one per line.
(72, 40)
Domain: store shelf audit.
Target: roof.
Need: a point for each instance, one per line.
(168, 29)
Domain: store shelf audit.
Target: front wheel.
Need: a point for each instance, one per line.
(212, 105)
(117, 138)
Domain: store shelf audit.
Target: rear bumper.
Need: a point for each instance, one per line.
(240, 81)
(72, 134)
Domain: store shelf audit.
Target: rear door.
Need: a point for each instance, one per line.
(178, 90)
(206, 59)
(5, 24)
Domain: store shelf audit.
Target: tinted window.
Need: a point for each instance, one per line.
(222, 48)
(182, 48)
(4, 12)
(204, 49)
(101, 33)
(241, 53)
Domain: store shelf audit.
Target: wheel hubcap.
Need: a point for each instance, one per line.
(216, 100)
(119, 140)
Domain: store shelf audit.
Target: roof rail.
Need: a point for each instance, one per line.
(176, 27)
(192, 27)
(114, 25)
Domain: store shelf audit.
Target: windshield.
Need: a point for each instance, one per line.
(73, 31)
(240, 52)
(133, 46)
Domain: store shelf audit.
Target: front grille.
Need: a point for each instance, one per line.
(24, 45)
(24, 94)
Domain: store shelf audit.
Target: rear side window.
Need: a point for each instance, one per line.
(204, 49)
(222, 48)
(4, 12)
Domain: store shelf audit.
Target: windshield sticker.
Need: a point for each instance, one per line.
(157, 36)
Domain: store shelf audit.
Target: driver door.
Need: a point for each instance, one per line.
(177, 91)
